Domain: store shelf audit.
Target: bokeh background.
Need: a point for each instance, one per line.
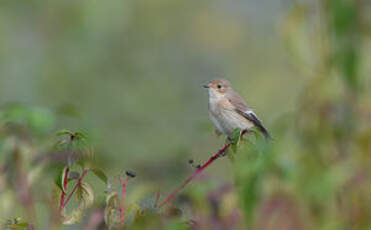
(129, 73)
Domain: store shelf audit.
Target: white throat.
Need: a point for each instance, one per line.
(215, 96)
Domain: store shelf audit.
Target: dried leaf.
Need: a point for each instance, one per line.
(111, 212)
(85, 197)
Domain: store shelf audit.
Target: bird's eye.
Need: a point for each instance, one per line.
(219, 86)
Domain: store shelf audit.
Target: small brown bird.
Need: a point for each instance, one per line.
(228, 111)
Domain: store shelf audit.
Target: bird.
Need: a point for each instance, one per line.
(228, 111)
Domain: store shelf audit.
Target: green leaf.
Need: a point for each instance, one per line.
(85, 197)
(60, 178)
(64, 132)
(235, 138)
(100, 174)
(80, 135)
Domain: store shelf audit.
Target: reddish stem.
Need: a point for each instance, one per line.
(195, 174)
(122, 211)
(75, 187)
(65, 182)
(157, 198)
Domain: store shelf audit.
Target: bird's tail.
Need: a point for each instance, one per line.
(265, 133)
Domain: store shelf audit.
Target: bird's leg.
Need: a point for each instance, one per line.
(218, 133)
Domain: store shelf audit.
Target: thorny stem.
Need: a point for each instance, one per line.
(75, 187)
(122, 211)
(199, 170)
(65, 182)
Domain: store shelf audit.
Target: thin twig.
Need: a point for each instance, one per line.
(195, 174)
(122, 211)
(199, 170)
(75, 187)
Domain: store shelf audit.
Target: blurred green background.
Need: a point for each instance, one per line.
(129, 74)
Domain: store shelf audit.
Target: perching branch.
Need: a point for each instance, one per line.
(199, 170)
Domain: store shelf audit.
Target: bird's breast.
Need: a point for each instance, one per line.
(224, 116)
(216, 106)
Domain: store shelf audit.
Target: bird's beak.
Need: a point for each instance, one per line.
(206, 86)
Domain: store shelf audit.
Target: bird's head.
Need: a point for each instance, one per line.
(218, 86)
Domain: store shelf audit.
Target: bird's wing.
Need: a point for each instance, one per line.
(244, 110)
(237, 101)
(251, 116)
